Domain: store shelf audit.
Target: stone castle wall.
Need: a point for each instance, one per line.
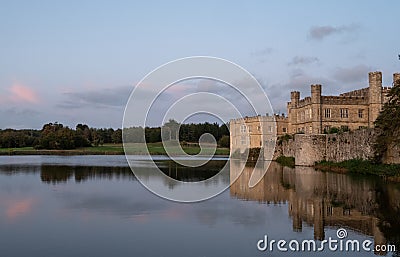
(285, 148)
(308, 149)
(356, 144)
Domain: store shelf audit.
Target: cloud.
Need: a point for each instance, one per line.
(17, 117)
(115, 97)
(303, 60)
(321, 32)
(262, 54)
(356, 73)
(20, 93)
(299, 80)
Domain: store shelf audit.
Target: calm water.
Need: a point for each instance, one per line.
(94, 206)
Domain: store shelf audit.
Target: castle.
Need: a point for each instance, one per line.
(314, 114)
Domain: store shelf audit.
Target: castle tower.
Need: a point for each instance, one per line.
(375, 96)
(294, 98)
(319, 219)
(316, 109)
(292, 110)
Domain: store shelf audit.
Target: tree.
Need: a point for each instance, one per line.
(82, 135)
(224, 141)
(171, 130)
(388, 123)
(116, 136)
(56, 136)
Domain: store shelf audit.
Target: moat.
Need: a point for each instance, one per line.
(94, 206)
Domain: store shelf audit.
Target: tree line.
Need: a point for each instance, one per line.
(57, 136)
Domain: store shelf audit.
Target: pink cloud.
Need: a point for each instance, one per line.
(20, 93)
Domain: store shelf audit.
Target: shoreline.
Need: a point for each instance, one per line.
(386, 172)
(89, 152)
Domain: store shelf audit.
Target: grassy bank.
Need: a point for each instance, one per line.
(286, 161)
(390, 172)
(108, 149)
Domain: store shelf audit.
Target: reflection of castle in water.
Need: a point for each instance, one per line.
(321, 199)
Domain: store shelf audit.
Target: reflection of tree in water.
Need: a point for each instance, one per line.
(323, 199)
(390, 219)
(190, 174)
(55, 174)
(61, 174)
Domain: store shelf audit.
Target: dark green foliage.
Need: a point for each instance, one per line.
(224, 141)
(286, 161)
(283, 138)
(388, 123)
(187, 132)
(254, 153)
(250, 154)
(192, 132)
(152, 134)
(11, 138)
(57, 136)
(365, 167)
(335, 130)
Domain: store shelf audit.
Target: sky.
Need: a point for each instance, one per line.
(78, 61)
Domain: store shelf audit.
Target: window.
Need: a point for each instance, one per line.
(284, 130)
(310, 113)
(344, 128)
(310, 130)
(327, 129)
(243, 129)
(344, 113)
(243, 140)
(327, 113)
(306, 113)
(269, 128)
(360, 113)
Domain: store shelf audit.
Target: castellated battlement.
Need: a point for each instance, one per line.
(344, 100)
(359, 92)
(248, 119)
(304, 102)
(281, 117)
(267, 117)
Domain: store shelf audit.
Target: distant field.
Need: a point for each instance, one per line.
(109, 149)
